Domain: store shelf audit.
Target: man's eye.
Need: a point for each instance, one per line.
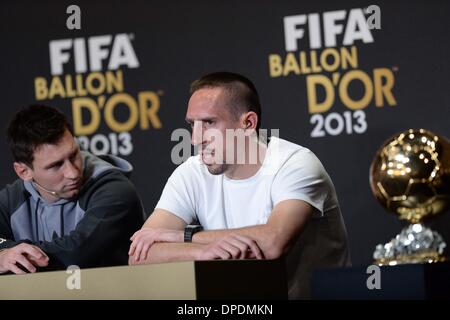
(209, 122)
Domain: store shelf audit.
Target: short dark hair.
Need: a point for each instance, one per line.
(242, 93)
(32, 127)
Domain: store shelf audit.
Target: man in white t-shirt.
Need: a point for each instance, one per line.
(252, 199)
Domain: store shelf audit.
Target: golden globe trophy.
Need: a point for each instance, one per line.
(410, 176)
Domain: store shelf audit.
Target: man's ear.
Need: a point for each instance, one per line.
(250, 120)
(23, 171)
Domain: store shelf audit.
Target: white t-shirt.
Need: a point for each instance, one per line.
(289, 171)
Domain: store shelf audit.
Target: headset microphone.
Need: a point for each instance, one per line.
(53, 193)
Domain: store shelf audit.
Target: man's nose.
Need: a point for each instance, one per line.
(71, 171)
(197, 133)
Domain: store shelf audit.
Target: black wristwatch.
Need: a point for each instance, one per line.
(190, 230)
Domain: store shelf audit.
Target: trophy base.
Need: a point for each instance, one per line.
(414, 244)
(423, 257)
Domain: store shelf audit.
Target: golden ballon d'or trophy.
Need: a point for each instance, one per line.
(410, 176)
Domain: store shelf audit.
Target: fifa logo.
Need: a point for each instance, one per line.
(90, 55)
(356, 27)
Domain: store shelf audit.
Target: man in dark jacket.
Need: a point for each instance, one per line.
(69, 207)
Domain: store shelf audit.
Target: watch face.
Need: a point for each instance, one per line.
(187, 234)
(190, 230)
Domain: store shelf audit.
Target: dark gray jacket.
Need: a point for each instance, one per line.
(91, 230)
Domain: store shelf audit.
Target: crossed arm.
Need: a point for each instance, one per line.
(161, 238)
